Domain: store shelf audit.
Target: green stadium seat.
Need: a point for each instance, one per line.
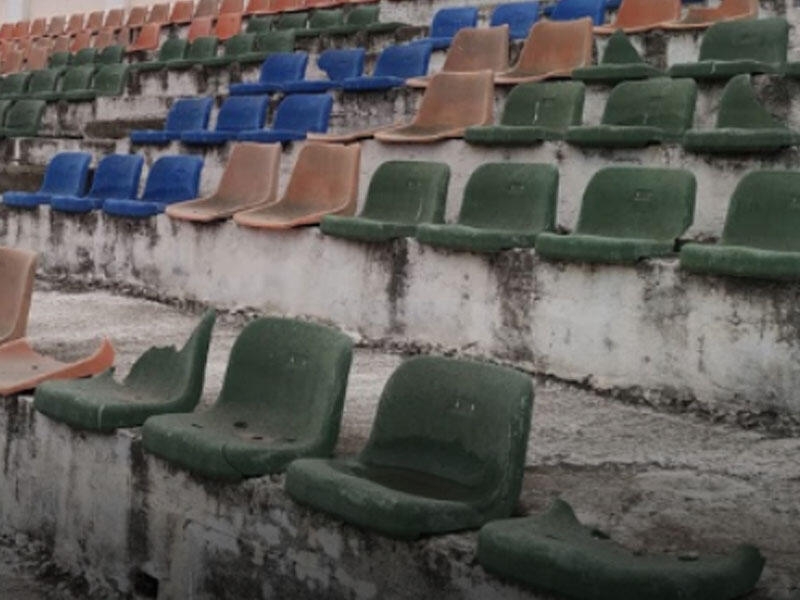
(555, 554)
(292, 20)
(401, 195)
(363, 18)
(446, 452)
(627, 214)
(268, 43)
(75, 79)
(23, 118)
(282, 398)
(161, 381)
(200, 49)
(743, 125)
(734, 47)
(639, 113)
(320, 21)
(14, 85)
(110, 55)
(760, 238)
(233, 48)
(506, 205)
(171, 49)
(4, 106)
(109, 80)
(42, 82)
(620, 61)
(59, 60)
(259, 24)
(533, 112)
(84, 56)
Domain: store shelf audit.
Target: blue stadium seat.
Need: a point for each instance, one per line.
(338, 64)
(519, 16)
(296, 116)
(447, 22)
(186, 114)
(395, 64)
(276, 70)
(567, 10)
(67, 174)
(171, 179)
(116, 176)
(237, 114)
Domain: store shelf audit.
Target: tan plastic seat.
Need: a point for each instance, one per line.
(94, 22)
(452, 102)
(473, 49)
(231, 7)
(137, 17)
(159, 13)
(82, 40)
(22, 29)
(148, 38)
(38, 27)
(635, 16)
(23, 368)
(17, 269)
(228, 25)
(324, 181)
(56, 26)
(727, 10)
(104, 39)
(200, 27)
(207, 8)
(553, 49)
(250, 180)
(114, 19)
(182, 12)
(37, 57)
(75, 24)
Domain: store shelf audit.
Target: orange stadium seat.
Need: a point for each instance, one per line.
(206, 8)
(200, 27)
(22, 30)
(38, 27)
(159, 13)
(75, 24)
(231, 6)
(95, 21)
(228, 25)
(105, 38)
(147, 39)
(7, 31)
(114, 19)
(82, 40)
(636, 16)
(37, 57)
(182, 12)
(137, 17)
(56, 26)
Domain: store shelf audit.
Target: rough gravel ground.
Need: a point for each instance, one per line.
(654, 481)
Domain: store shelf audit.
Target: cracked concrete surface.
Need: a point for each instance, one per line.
(654, 481)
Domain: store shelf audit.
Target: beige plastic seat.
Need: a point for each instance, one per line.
(452, 102)
(702, 17)
(56, 26)
(17, 268)
(82, 40)
(635, 16)
(61, 44)
(75, 24)
(552, 49)
(250, 180)
(12, 62)
(324, 181)
(473, 49)
(37, 57)
(23, 368)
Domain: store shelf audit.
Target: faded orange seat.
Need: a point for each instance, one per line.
(324, 181)
(114, 19)
(250, 180)
(147, 39)
(552, 49)
(642, 15)
(200, 27)
(728, 10)
(95, 21)
(23, 368)
(159, 13)
(56, 26)
(231, 7)
(38, 27)
(22, 30)
(37, 57)
(75, 24)
(452, 102)
(258, 7)
(7, 31)
(11, 62)
(228, 25)
(104, 39)
(182, 12)
(137, 17)
(82, 40)
(207, 8)
(473, 49)
(61, 44)
(17, 269)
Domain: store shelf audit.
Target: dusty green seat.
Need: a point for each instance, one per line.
(162, 380)
(268, 43)
(760, 238)
(4, 106)
(743, 125)
(358, 19)
(554, 553)
(14, 85)
(23, 118)
(533, 112)
(639, 113)
(233, 48)
(620, 61)
(734, 47)
(401, 195)
(171, 49)
(322, 20)
(259, 24)
(506, 205)
(200, 49)
(281, 399)
(109, 80)
(110, 55)
(627, 214)
(59, 60)
(75, 80)
(43, 81)
(446, 452)
(84, 56)
(292, 20)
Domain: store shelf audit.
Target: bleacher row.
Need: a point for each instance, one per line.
(446, 452)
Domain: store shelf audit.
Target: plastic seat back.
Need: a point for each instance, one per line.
(173, 179)
(293, 20)
(94, 22)
(7, 31)
(239, 44)
(56, 26)
(341, 64)
(189, 114)
(14, 84)
(304, 112)
(447, 21)
(519, 16)
(4, 106)
(554, 105)
(67, 174)
(159, 13)
(476, 49)
(22, 29)
(739, 108)
(228, 25)
(726, 10)
(638, 202)
(764, 40)
(274, 41)
(82, 40)
(75, 24)
(200, 27)
(324, 18)
(117, 176)
(202, 48)
(114, 19)
(511, 196)
(104, 39)
(763, 212)
(58, 60)
(110, 55)
(231, 7)
(556, 46)
(240, 113)
(137, 17)
(110, 80)
(61, 44)
(38, 27)
(458, 420)
(455, 100)
(206, 8)
(12, 62)
(37, 58)
(24, 117)
(283, 66)
(403, 60)
(362, 16)
(17, 270)
(645, 13)
(77, 78)
(294, 374)
(620, 51)
(257, 7)
(258, 24)
(324, 176)
(407, 192)
(182, 12)
(251, 174)
(83, 57)
(661, 102)
(43, 80)
(148, 38)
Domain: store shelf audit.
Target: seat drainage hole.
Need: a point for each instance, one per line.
(144, 585)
